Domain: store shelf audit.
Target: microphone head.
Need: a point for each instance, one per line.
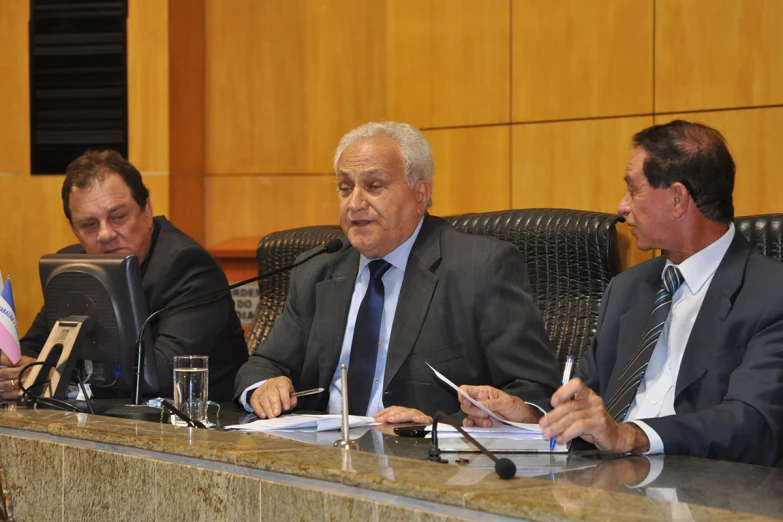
(505, 469)
(333, 246)
(621, 220)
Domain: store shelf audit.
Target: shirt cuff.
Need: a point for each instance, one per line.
(656, 444)
(243, 397)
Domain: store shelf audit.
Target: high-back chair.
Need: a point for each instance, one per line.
(763, 231)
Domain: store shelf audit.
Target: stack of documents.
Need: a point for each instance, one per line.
(499, 438)
(311, 423)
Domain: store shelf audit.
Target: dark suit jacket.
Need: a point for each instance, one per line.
(175, 270)
(464, 307)
(729, 391)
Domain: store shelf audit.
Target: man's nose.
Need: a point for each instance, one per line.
(623, 208)
(357, 199)
(106, 232)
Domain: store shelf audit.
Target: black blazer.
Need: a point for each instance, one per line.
(465, 308)
(729, 391)
(177, 269)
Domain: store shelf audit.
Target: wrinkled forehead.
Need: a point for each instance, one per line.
(634, 169)
(106, 194)
(375, 154)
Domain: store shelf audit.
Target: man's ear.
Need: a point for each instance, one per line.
(680, 198)
(423, 190)
(148, 211)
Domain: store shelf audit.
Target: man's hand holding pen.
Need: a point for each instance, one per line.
(579, 412)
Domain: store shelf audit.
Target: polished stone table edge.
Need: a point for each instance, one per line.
(271, 476)
(287, 457)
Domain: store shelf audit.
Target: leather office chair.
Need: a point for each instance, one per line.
(571, 256)
(763, 231)
(274, 251)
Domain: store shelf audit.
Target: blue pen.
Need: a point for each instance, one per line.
(569, 365)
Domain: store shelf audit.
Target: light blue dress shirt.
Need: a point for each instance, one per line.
(655, 396)
(392, 283)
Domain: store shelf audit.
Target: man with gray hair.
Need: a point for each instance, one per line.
(406, 291)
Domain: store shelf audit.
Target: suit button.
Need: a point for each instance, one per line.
(653, 401)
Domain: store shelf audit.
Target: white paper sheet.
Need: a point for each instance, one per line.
(303, 422)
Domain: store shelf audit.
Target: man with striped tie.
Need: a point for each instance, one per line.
(688, 354)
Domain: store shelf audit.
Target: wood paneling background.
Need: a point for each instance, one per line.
(714, 54)
(527, 103)
(581, 58)
(447, 62)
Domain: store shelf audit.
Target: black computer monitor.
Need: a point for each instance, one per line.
(95, 306)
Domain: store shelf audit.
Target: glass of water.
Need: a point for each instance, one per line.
(191, 387)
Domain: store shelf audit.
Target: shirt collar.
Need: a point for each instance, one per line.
(398, 258)
(698, 268)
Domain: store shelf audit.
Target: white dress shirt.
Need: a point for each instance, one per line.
(655, 396)
(392, 283)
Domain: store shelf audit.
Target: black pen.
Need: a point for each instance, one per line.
(182, 415)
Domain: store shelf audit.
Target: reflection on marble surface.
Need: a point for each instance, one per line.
(581, 485)
(679, 480)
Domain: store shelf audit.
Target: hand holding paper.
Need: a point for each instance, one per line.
(499, 418)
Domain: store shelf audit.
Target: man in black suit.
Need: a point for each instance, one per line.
(688, 354)
(109, 210)
(457, 302)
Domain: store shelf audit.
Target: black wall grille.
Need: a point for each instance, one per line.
(78, 80)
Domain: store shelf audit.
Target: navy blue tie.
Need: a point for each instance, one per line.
(364, 349)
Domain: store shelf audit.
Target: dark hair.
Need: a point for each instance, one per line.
(94, 166)
(696, 156)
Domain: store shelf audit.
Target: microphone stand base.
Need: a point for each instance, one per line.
(346, 444)
(135, 412)
(434, 456)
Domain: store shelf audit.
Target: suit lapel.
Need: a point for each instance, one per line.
(634, 321)
(332, 302)
(708, 327)
(418, 287)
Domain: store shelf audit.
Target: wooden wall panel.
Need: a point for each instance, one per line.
(35, 227)
(718, 53)
(186, 48)
(284, 80)
(754, 141)
(14, 87)
(257, 205)
(472, 169)
(581, 58)
(158, 185)
(448, 62)
(148, 85)
(577, 165)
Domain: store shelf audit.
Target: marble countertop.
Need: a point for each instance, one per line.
(582, 486)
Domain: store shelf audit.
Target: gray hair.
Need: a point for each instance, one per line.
(414, 147)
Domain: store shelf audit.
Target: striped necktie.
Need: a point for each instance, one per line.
(633, 373)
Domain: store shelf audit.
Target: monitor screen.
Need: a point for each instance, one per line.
(106, 288)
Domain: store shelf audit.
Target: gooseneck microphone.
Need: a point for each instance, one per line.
(138, 367)
(503, 467)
